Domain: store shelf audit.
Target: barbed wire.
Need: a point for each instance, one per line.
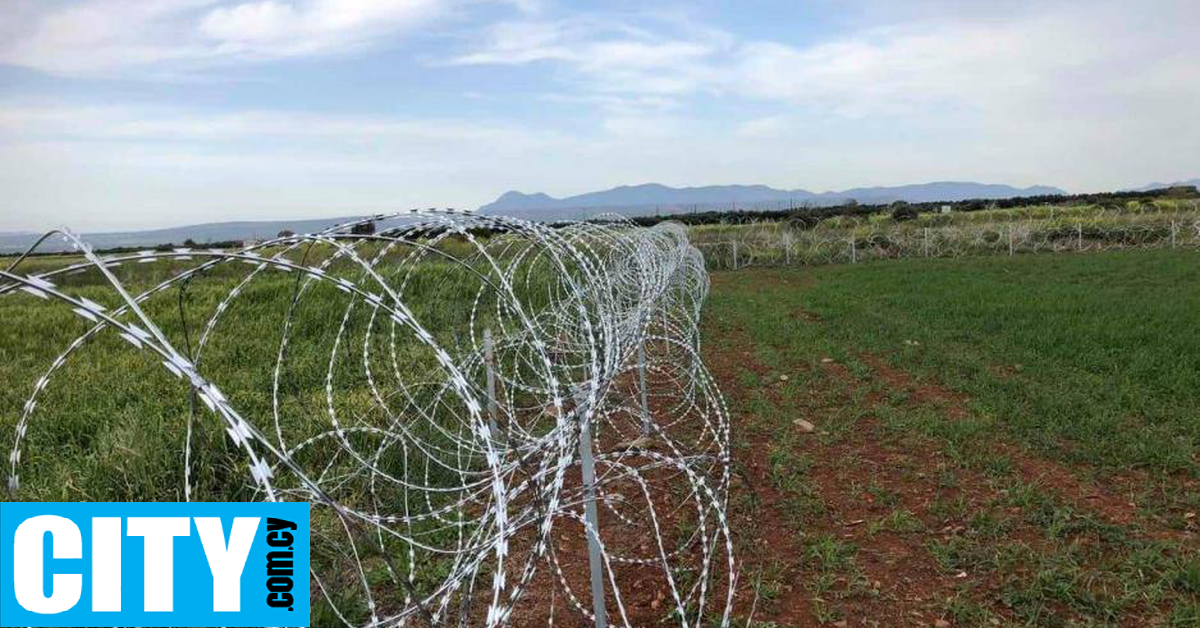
(999, 232)
(473, 363)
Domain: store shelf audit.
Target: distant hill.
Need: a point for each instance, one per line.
(1159, 186)
(645, 199)
(200, 234)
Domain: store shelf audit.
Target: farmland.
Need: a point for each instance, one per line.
(997, 441)
(1001, 440)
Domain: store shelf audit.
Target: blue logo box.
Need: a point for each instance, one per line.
(154, 564)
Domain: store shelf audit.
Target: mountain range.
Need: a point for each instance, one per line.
(1159, 186)
(13, 242)
(655, 197)
(630, 200)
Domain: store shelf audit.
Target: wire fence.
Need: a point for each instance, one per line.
(1003, 232)
(497, 423)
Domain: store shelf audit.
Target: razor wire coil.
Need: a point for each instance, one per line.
(441, 470)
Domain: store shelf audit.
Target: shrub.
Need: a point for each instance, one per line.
(902, 211)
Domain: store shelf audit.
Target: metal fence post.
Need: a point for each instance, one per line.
(1172, 233)
(587, 466)
(926, 245)
(788, 252)
(1079, 237)
(642, 386)
(493, 405)
(853, 251)
(1010, 240)
(734, 260)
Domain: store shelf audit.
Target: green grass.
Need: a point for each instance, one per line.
(111, 425)
(1093, 358)
(1089, 361)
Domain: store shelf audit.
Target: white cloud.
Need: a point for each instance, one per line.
(112, 36)
(912, 66)
(271, 28)
(962, 58)
(608, 55)
(25, 121)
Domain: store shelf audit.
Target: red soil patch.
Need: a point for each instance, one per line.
(859, 480)
(864, 476)
(1114, 500)
(921, 393)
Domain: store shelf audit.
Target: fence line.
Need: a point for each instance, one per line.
(853, 241)
(449, 451)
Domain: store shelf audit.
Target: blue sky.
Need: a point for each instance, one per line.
(123, 114)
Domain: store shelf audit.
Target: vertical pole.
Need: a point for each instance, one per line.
(735, 254)
(926, 241)
(1010, 239)
(588, 469)
(642, 386)
(493, 405)
(1079, 237)
(853, 251)
(1172, 233)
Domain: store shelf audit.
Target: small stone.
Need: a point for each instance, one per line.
(783, 378)
(826, 360)
(941, 623)
(841, 624)
(804, 426)
(643, 442)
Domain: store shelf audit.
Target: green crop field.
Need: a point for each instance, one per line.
(990, 441)
(113, 423)
(996, 441)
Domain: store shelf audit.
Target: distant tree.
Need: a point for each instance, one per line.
(902, 211)
(189, 242)
(286, 233)
(1181, 191)
(364, 228)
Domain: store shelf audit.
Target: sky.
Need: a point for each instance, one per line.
(132, 114)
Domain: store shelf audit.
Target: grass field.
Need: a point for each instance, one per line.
(998, 441)
(112, 424)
